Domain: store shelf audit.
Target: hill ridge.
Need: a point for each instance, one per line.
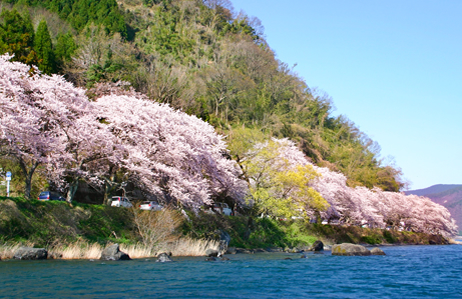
(434, 189)
(447, 195)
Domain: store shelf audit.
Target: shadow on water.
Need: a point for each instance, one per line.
(405, 272)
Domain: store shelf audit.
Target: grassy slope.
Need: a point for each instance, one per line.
(51, 223)
(264, 232)
(46, 223)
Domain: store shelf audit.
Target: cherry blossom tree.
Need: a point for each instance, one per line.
(39, 116)
(269, 162)
(377, 208)
(174, 157)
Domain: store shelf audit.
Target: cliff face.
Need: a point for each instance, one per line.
(449, 196)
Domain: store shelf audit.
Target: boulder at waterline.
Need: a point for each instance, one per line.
(377, 251)
(163, 258)
(231, 250)
(52, 256)
(29, 253)
(317, 246)
(113, 253)
(212, 252)
(211, 259)
(348, 249)
(243, 250)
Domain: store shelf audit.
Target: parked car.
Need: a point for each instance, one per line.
(151, 206)
(220, 208)
(119, 201)
(50, 195)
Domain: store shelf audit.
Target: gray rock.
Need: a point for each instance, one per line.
(112, 253)
(211, 259)
(377, 251)
(231, 250)
(225, 238)
(211, 252)
(259, 250)
(245, 251)
(292, 250)
(29, 253)
(164, 258)
(52, 256)
(276, 249)
(348, 249)
(317, 246)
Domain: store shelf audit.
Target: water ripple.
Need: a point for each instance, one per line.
(405, 272)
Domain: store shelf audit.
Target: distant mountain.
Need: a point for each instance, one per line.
(432, 190)
(449, 196)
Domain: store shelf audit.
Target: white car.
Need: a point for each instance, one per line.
(151, 206)
(119, 201)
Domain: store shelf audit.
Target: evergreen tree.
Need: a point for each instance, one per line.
(44, 49)
(65, 48)
(17, 36)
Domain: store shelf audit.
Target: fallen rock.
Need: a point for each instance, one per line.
(163, 258)
(348, 249)
(377, 251)
(112, 253)
(317, 246)
(29, 253)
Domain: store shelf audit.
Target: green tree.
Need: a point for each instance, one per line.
(17, 36)
(65, 48)
(44, 49)
(278, 174)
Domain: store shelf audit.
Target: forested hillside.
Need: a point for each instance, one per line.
(200, 57)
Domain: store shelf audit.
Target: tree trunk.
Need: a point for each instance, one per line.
(110, 186)
(28, 175)
(73, 186)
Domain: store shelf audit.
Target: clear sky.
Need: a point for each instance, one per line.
(392, 67)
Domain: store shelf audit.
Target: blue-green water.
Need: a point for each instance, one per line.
(405, 272)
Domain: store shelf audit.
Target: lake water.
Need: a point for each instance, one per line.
(405, 272)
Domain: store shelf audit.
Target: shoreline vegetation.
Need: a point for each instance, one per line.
(80, 231)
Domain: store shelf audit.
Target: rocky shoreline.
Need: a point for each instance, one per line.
(113, 253)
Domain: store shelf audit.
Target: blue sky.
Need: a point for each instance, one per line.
(392, 67)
